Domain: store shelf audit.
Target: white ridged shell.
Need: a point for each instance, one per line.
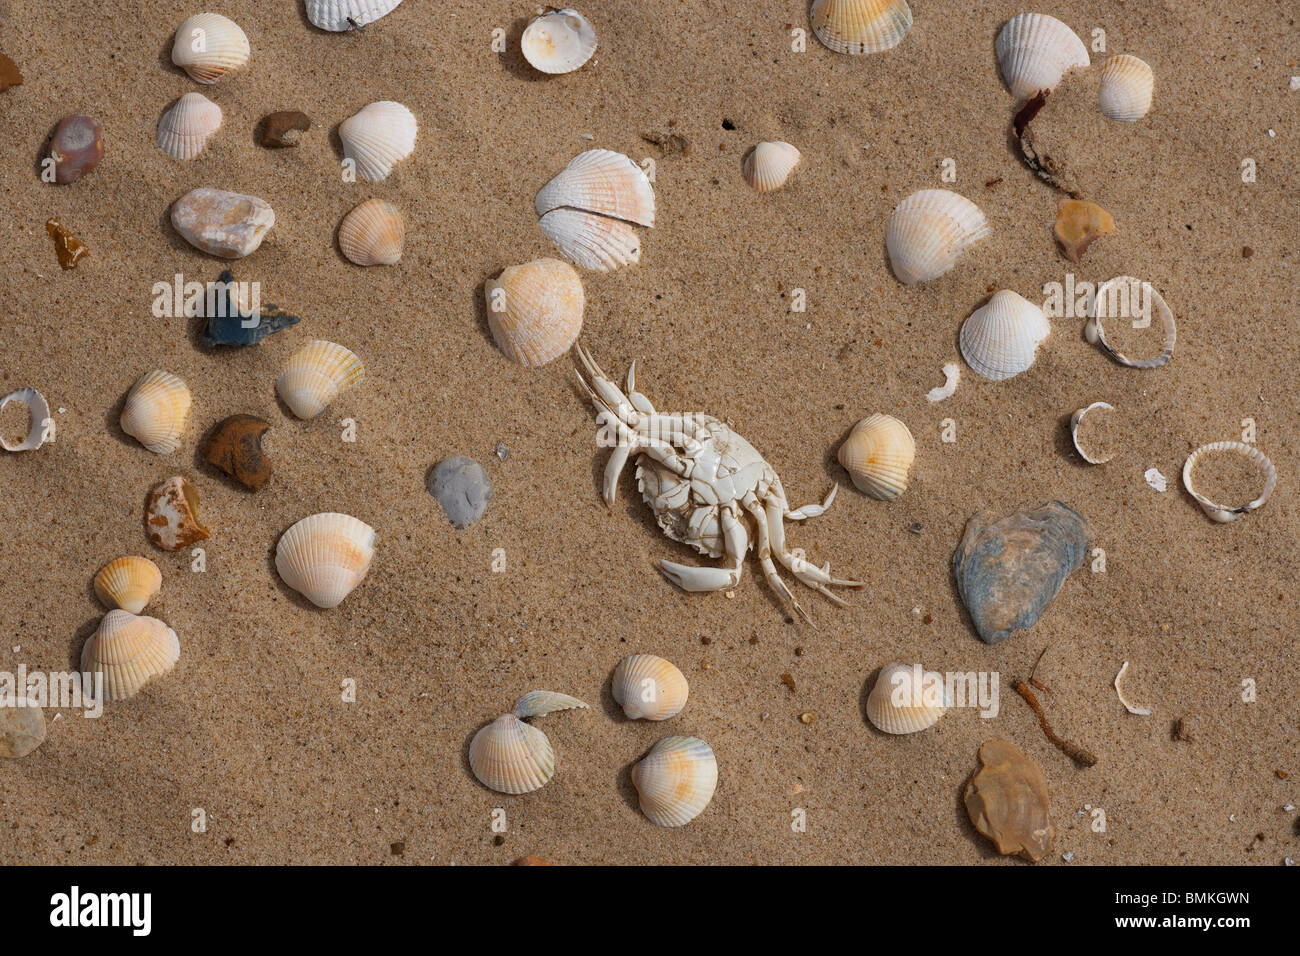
(188, 124)
(1127, 86)
(676, 780)
(372, 234)
(601, 181)
(333, 15)
(897, 705)
(510, 756)
(1224, 513)
(861, 26)
(378, 137)
(648, 687)
(1000, 338)
(38, 413)
(590, 240)
(315, 375)
(878, 455)
(928, 231)
(325, 556)
(129, 651)
(210, 47)
(1035, 51)
(128, 583)
(535, 310)
(1075, 420)
(559, 41)
(155, 411)
(767, 166)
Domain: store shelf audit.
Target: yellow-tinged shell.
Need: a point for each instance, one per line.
(591, 240)
(510, 756)
(210, 47)
(535, 310)
(1127, 86)
(600, 181)
(188, 124)
(861, 26)
(155, 411)
(676, 780)
(128, 583)
(928, 230)
(378, 137)
(372, 234)
(878, 455)
(767, 166)
(317, 374)
(906, 699)
(649, 687)
(129, 651)
(325, 556)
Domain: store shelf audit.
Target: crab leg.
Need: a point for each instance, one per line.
(764, 551)
(613, 471)
(610, 394)
(690, 578)
(639, 401)
(813, 511)
(807, 572)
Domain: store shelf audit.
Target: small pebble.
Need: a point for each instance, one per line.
(224, 224)
(1247, 252)
(67, 247)
(11, 76)
(808, 717)
(76, 147)
(462, 488)
(788, 681)
(397, 849)
(1295, 83)
(22, 730)
(502, 451)
(235, 447)
(1068, 857)
(284, 128)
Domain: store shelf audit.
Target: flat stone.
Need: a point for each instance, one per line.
(76, 147)
(462, 488)
(22, 729)
(1007, 801)
(10, 75)
(235, 447)
(225, 224)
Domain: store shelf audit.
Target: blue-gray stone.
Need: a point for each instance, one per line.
(462, 488)
(227, 326)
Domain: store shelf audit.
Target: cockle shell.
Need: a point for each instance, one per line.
(41, 427)
(878, 455)
(510, 756)
(861, 26)
(1007, 801)
(22, 725)
(340, 15)
(172, 515)
(210, 47)
(767, 166)
(604, 182)
(1035, 51)
(317, 374)
(558, 41)
(155, 411)
(676, 780)
(1122, 297)
(590, 240)
(928, 231)
(1127, 86)
(535, 310)
(324, 556)
(906, 699)
(1091, 457)
(649, 687)
(186, 127)
(128, 583)
(372, 234)
(1224, 513)
(129, 651)
(1000, 339)
(378, 137)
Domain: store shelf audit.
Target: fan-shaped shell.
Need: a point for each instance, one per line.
(1000, 338)
(128, 583)
(324, 556)
(928, 231)
(210, 47)
(1127, 86)
(1035, 51)
(372, 234)
(155, 411)
(535, 310)
(861, 26)
(340, 15)
(906, 699)
(558, 41)
(676, 780)
(649, 687)
(590, 240)
(510, 756)
(767, 166)
(604, 182)
(878, 455)
(129, 651)
(186, 127)
(378, 137)
(317, 374)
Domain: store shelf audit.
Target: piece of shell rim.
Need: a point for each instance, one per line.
(1075, 419)
(1140, 711)
(539, 703)
(951, 376)
(1096, 334)
(42, 425)
(1224, 513)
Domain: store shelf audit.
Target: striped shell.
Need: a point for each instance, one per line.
(510, 756)
(558, 41)
(1035, 51)
(649, 687)
(129, 651)
(317, 374)
(1224, 513)
(1127, 86)
(1000, 339)
(378, 137)
(604, 182)
(325, 556)
(372, 234)
(906, 699)
(186, 127)
(878, 455)
(676, 780)
(210, 47)
(927, 232)
(337, 16)
(767, 166)
(592, 241)
(535, 310)
(128, 583)
(155, 411)
(861, 26)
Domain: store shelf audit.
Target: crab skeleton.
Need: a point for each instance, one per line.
(708, 487)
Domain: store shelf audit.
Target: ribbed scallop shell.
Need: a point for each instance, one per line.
(900, 703)
(128, 583)
(878, 455)
(767, 166)
(676, 780)
(535, 310)
(604, 182)
(38, 414)
(186, 127)
(317, 374)
(590, 240)
(155, 411)
(649, 687)
(1224, 513)
(861, 26)
(372, 234)
(1035, 51)
(333, 15)
(378, 137)
(510, 756)
(210, 47)
(539, 703)
(325, 556)
(1127, 86)
(129, 651)
(928, 231)
(559, 41)
(1000, 338)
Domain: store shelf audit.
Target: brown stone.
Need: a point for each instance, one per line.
(1007, 801)
(67, 247)
(9, 73)
(532, 859)
(283, 129)
(235, 447)
(22, 728)
(76, 147)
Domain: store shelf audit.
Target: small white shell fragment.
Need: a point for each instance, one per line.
(338, 16)
(1127, 86)
(186, 127)
(210, 47)
(1140, 711)
(1124, 296)
(768, 166)
(1225, 513)
(1156, 480)
(1075, 419)
(951, 376)
(378, 137)
(1000, 339)
(539, 703)
(1034, 51)
(928, 230)
(558, 41)
(41, 424)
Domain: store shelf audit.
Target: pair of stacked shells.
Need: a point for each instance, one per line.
(128, 649)
(211, 48)
(590, 207)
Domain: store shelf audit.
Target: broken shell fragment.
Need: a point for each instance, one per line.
(1078, 224)
(1093, 456)
(860, 26)
(676, 780)
(1000, 339)
(41, 426)
(224, 224)
(590, 240)
(539, 703)
(767, 166)
(171, 516)
(906, 699)
(1225, 513)
(372, 234)
(235, 448)
(76, 146)
(128, 583)
(210, 47)
(67, 247)
(283, 129)
(1123, 297)
(510, 756)
(186, 127)
(377, 138)
(558, 41)
(1139, 711)
(1007, 801)
(338, 16)
(1127, 86)
(317, 374)
(604, 182)
(535, 310)
(128, 651)
(155, 411)
(951, 376)
(461, 488)
(648, 687)
(22, 725)
(1034, 51)
(325, 556)
(878, 455)
(928, 231)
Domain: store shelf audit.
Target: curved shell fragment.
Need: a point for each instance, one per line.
(38, 409)
(951, 376)
(1225, 513)
(1139, 711)
(558, 41)
(1075, 420)
(1122, 296)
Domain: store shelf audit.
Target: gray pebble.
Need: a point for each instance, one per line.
(462, 488)
(502, 451)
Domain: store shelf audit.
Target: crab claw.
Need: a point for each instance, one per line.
(690, 578)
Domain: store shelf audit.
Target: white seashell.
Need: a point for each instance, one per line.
(378, 137)
(1035, 51)
(1075, 419)
(340, 15)
(324, 556)
(155, 411)
(1000, 338)
(906, 699)
(317, 374)
(592, 241)
(649, 687)
(535, 310)
(1156, 480)
(559, 41)
(128, 583)
(1224, 513)
(878, 455)
(676, 780)
(186, 127)
(927, 232)
(1127, 86)
(1127, 297)
(372, 234)
(129, 651)
(604, 182)
(539, 703)
(1139, 711)
(951, 376)
(768, 165)
(861, 26)
(510, 756)
(210, 47)
(41, 428)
